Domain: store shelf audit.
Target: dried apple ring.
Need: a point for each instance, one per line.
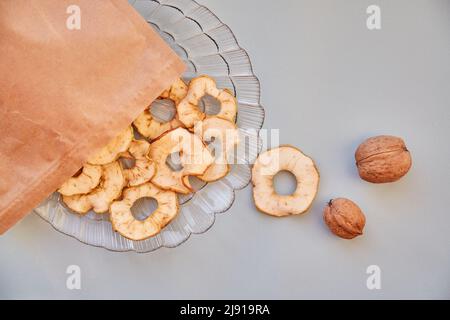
(224, 133)
(144, 168)
(176, 92)
(112, 151)
(290, 159)
(123, 221)
(99, 200)
(195, 158)
(151, 128)
(188, 110)
(85, 182)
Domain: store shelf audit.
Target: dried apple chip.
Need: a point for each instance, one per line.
(290, 159)
(128, 226)
(99, 200)
(188, 108)
(112, 151)
(144, 168)
(195, 158)
(85, 182)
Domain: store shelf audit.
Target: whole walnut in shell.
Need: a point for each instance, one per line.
(344, 218)
(382, 159)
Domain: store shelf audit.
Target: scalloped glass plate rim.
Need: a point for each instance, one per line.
(233, 188)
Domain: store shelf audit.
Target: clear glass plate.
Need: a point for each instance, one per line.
(207, 46)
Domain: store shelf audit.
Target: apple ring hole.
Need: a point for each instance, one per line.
(196, 183)
(213, 144)
(143, 208)
(127, 163)
(163, 110)
(173, 161)
(209, 105)
(285, 183)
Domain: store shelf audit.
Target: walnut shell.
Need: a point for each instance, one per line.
(382, 159)
(344, 218)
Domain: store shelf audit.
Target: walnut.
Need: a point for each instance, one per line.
(382, 159)
(344, 218)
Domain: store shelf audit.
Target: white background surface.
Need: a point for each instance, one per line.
(328, 83)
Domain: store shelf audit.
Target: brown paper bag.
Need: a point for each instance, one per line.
(67, 87)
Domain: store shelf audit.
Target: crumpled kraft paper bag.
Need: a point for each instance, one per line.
(65, 92)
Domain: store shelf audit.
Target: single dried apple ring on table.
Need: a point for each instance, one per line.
(99, 200)
(284, 158)
(194, 159)
(112, 151)
(224, 135)
(85, 182)
(128, 226)
(188, 108)
(144, 167)
(148, 126)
